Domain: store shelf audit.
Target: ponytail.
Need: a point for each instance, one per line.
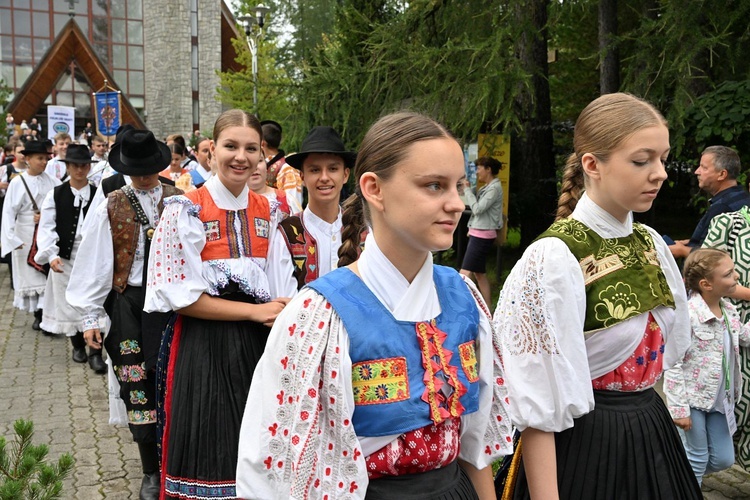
(352, 225)
(572, 187)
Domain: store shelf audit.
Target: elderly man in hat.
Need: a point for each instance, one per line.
(58, 241)
(113, 257)
(21, 212)
(311, 239)
(280, 175)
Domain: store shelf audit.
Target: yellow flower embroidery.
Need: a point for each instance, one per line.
(617, 303)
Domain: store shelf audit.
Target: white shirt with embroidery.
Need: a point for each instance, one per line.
(56, 168)
(540, 317)
(297, 440)
(177, 274)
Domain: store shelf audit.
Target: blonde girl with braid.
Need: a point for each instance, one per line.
(382, 379)
(589, 318)
(703, 388)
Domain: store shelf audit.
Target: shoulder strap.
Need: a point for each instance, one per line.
(33, 201)
(140, 215)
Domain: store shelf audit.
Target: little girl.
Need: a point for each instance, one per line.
(701, 391)
(382, 379)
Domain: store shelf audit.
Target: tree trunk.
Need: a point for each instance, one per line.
(532, 153)
(609, 58)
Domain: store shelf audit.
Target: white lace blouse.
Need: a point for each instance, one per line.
(548, 360)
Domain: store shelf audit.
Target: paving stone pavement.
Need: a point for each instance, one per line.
(67, 403)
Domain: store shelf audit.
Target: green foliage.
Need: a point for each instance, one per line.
(5, 92)
(24, 473)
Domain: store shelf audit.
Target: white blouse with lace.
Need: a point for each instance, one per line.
(549, 361)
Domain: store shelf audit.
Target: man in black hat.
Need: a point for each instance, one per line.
(280, 175)
(113, 256)
(20, 218)
(58, 240)
(310, 240)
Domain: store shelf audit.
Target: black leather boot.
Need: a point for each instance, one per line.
(79, 348)
(37, 320)
(96, 362)
(151, 483)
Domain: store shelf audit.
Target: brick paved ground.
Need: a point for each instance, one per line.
(68, 404)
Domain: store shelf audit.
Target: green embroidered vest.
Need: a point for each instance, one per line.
(623, 276)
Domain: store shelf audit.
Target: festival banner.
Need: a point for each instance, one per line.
(60, 119)
(107, 112)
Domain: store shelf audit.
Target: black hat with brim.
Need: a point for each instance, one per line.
(139, 153)
(322, 140)
(78, 154)
(35, 148)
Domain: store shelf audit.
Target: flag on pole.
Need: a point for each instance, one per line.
(107, 112)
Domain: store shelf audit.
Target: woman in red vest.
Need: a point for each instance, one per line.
(209, 255)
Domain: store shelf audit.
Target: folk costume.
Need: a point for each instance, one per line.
(22, 200)
(601, 305)
(56, 168)
(208, 241)
(730, 232)
(117, 238)
(337, 412)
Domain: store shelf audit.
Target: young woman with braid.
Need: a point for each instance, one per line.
(589, 318)
(381, 379)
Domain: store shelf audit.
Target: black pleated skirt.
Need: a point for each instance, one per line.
(447, 483)
(626, 449)
(205, 372)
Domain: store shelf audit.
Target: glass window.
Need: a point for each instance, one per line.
(136, 102)
(65, 98)
(60, 5)
(100, 27)
(40, 48)
(40, 5)
(41, 23)
(6, 49)
(118, 31)
(5, 24)
(135, 32)
(99, 7)
(48, 100)
(135, 9)
(121, 79)
(102, 51)
(4, 3)
(23, 71)
(135, 57)
(60, 20)
(23, 48)
(136, 83)
(119, 56)
(83, 104)
(64, 83)
(22, 22)
(81, 85)
(6, 73)
(117, 8)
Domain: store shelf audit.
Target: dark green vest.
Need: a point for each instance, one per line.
(623, 276)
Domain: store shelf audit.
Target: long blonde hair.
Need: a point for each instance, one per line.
(601, 127)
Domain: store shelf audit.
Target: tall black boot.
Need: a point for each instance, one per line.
(37, 320)
(151, 480)
(79, 348)
(96, 362)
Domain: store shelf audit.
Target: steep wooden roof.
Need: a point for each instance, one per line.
(228, 32)
(70, 44)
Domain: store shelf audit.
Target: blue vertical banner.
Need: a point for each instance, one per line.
(107, 112)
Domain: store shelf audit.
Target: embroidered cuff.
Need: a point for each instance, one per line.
(90, 322)
(192, 208)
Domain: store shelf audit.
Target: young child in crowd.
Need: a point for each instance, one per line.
(702, 389)
(590, 315)
(382, 378)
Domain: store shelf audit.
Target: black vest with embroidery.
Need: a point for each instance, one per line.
(67, 216)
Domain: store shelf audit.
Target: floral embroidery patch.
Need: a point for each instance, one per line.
(129, 347)
(261, 227)
(138, 397)
(130, 373)
(616, 303)
(139, 417)
(469, 360)
(212, 230)
(380, 381)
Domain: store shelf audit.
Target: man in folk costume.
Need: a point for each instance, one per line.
(56, 166)
(312, 237)
(58, 240)
(280, 175)
(113, 256)
(21, 212)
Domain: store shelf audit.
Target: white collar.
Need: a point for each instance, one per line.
(325, 227)
(223, 197)
(605, 224)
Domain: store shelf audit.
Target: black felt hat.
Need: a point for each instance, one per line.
(78, 154)
(35, 148)
(322, 140)
(139, 153)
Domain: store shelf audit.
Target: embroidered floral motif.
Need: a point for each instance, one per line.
(139, 417)
(469, 360)
(130, 373)
(380, 381)
(129, 347)
(212, 230)
(138, 397)
(262, 227)
(617, 303)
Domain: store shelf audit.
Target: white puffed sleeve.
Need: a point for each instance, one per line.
(539, 318)
(175, 270)
(46, 235)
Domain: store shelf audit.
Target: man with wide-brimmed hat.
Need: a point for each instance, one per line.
(20, 218)
(280, 175)
(312, 238)
(113, 257)
(58, 240)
